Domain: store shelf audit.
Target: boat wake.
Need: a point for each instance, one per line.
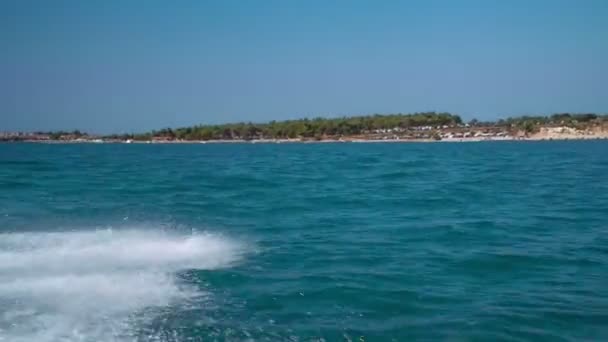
(88, 285)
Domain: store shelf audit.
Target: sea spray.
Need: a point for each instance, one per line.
(85, 285)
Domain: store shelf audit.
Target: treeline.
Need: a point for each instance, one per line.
(40, 135)
(57, 135)
(304, 128)
(533, 123)
(319, 128)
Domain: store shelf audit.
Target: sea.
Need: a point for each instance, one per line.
(485, 241)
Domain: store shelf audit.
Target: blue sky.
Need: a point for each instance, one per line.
(122, 66)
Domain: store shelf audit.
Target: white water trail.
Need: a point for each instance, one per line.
(85, 285)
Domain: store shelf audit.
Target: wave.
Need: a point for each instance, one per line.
(85, 285)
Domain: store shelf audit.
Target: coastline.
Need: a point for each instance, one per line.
(323, 141)
(393, 128)
(427, 134)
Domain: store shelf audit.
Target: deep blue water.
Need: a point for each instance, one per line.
(504, 241)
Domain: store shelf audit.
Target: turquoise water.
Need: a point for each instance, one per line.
(504, 241)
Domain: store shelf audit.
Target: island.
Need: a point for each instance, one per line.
(415, 127)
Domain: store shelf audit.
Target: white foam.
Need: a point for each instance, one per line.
(83, 286)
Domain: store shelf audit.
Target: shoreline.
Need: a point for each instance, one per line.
(321, 141)
(416, 127)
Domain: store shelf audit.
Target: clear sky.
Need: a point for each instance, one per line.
(121, 66)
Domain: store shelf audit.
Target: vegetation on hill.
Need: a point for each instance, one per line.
(306, 128)
(533, 123)
(431, 122)
(356, 125)
(57, 135)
